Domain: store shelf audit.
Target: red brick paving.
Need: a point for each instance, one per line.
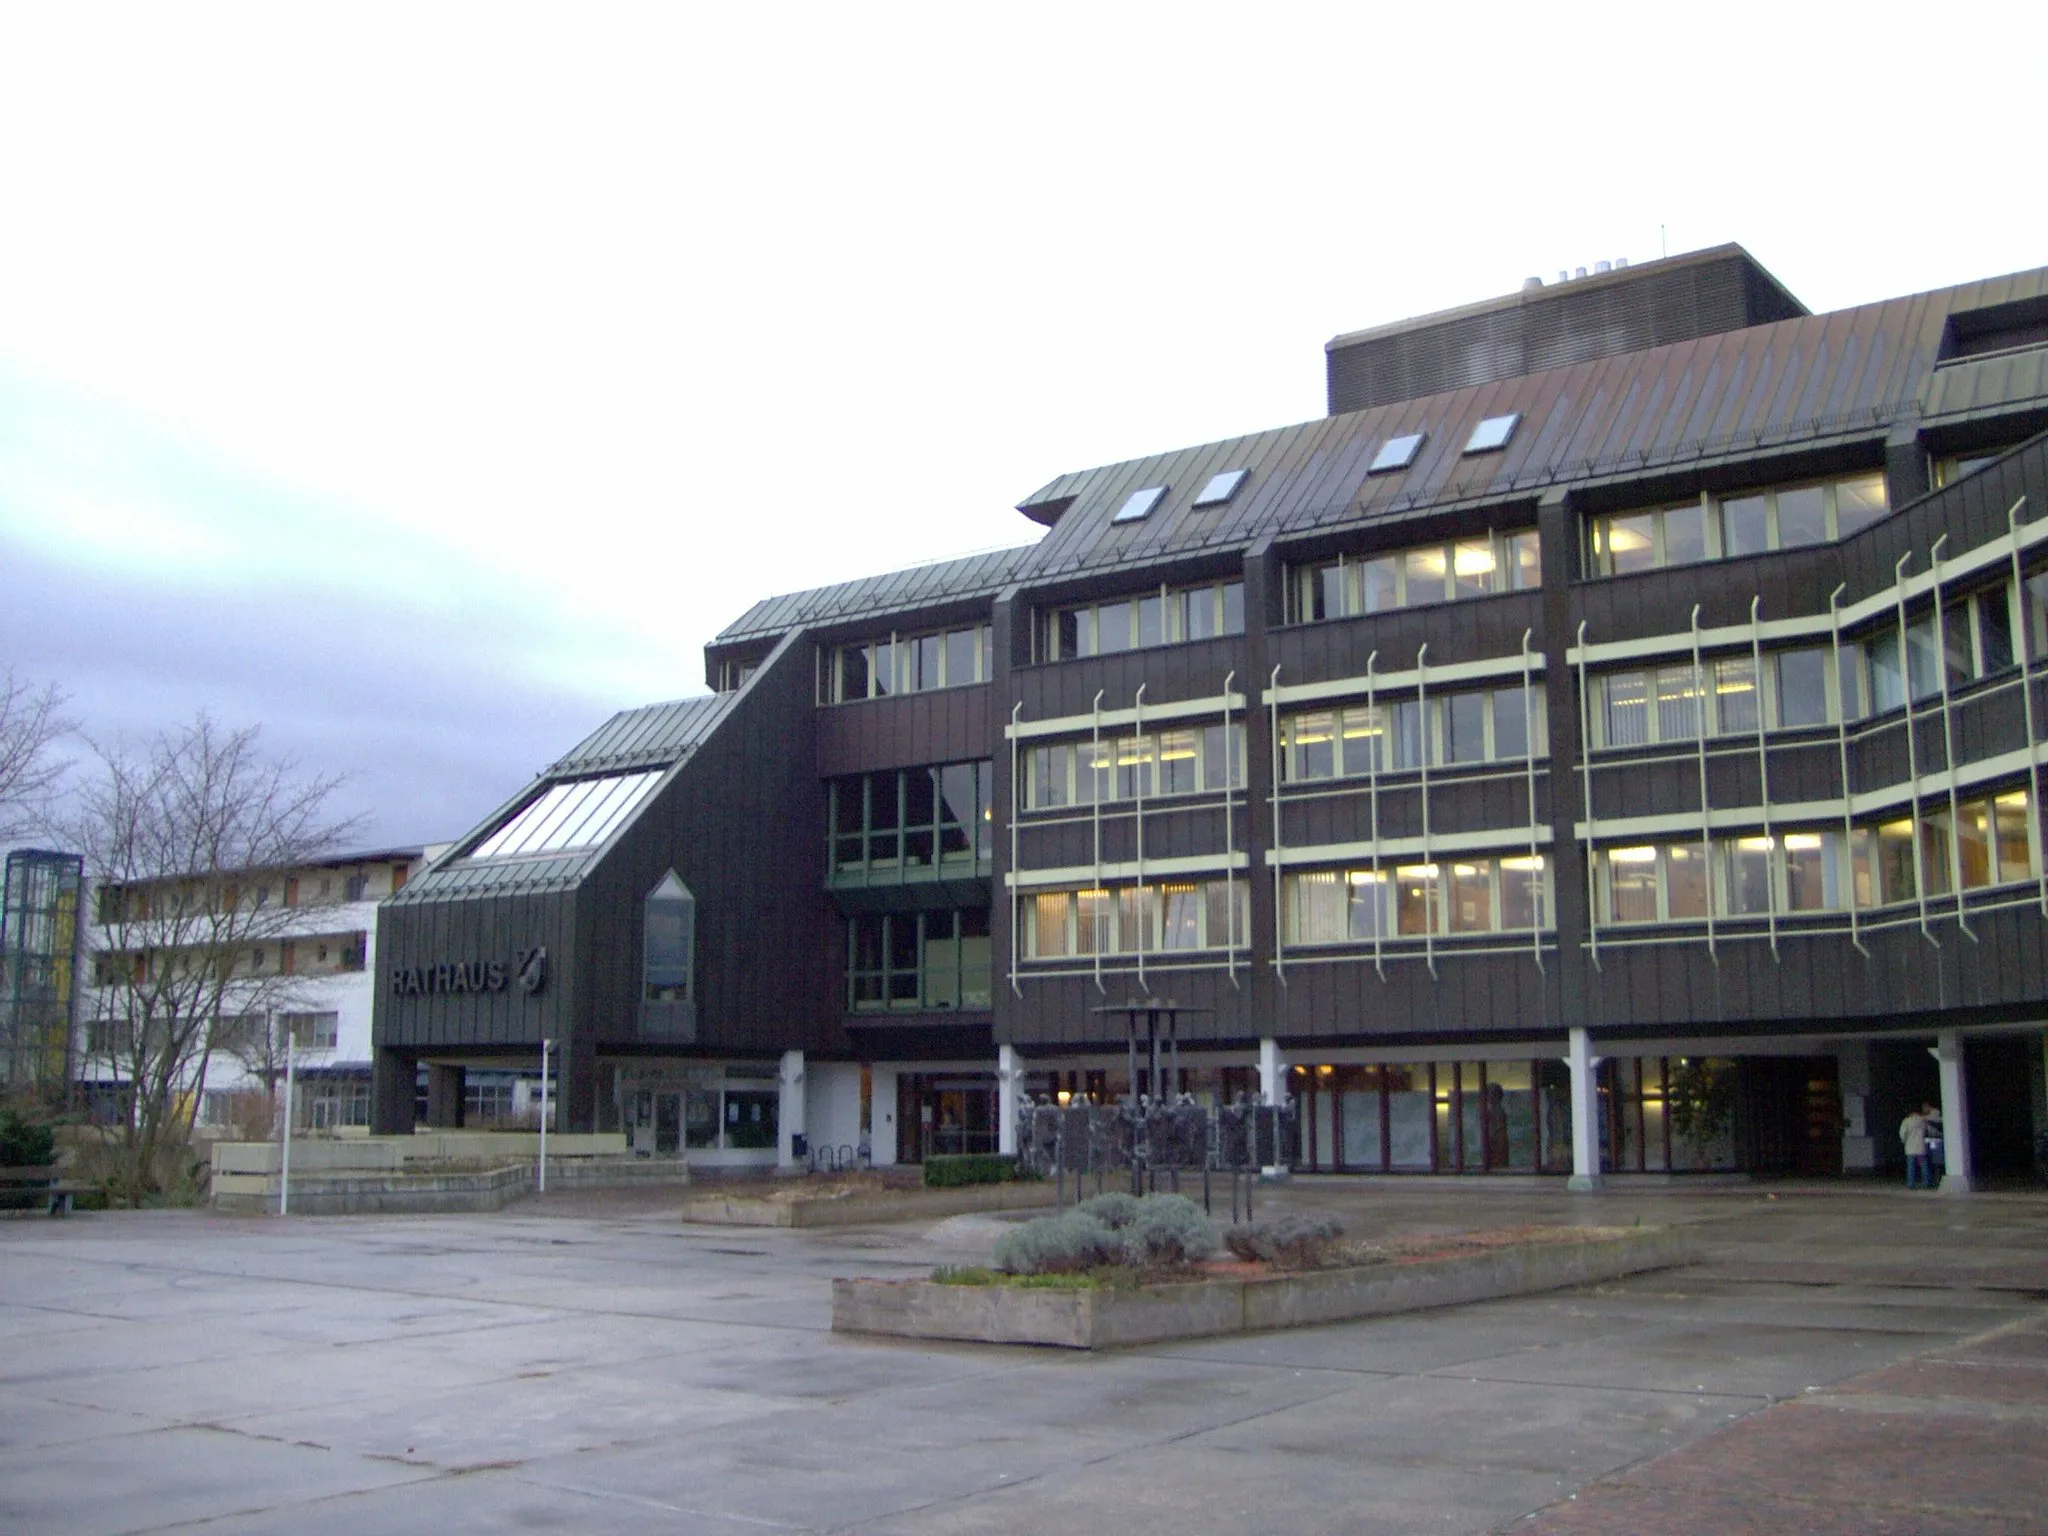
(1954, 1443)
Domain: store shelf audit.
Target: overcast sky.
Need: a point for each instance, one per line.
(425, 382)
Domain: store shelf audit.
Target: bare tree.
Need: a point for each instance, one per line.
(189, 842)
(31, 721)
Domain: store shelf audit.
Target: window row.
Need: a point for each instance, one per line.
(1169, 918)
(912, 818)
(910, 960)
(1728, 527)
(1406, 578)
(1724, 697)
(1183, 761)
(874, 669)
(1500, 725)
(1819, 870)
(1805, 686)
(1505, 894)
(1163, 616)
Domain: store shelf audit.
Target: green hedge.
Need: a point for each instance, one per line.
(974, 1168)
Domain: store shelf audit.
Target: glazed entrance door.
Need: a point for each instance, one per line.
(656, 1121)
(668, 1123)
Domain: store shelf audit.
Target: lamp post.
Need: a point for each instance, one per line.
(546, 1046)
(284, 1177)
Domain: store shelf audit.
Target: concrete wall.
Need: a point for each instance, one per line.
(833, 1109)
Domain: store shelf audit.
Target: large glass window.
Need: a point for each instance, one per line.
(1508, 561)
(918, 960)
(1727, 527)
(1163, 616)
(911, 823)
(872, 669)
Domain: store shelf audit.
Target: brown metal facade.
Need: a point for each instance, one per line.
(740, 814)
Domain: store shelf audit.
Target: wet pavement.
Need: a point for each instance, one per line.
(1848, 1359)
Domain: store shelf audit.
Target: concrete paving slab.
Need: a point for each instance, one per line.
(489, 1501)
(28, 1421)
(1410, 1343)
(169, 1476)
(593, 1365)
(1760, 1363)
(529, 1419)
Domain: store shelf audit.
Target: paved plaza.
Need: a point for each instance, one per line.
(1842, 1360)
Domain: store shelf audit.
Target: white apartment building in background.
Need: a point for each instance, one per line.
(308, 966)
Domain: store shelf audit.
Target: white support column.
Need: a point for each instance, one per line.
(1272, 1072)
(789, 1113)
(1580, 1059)
(1273, 1084)
(1960, 1177)
(1009, 1076)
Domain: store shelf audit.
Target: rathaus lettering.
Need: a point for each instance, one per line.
(462, 977)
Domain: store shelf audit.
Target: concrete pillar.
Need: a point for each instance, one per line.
(1273, 1084)
(1009, 1079)
(1960, 1178)
(789, 1114)
(444, 1096)
(1580, 1059)
(392, 1106)
(1272, 1072)
(1859, 1142)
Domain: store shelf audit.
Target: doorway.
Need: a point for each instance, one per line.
(656, 1126)
(2001, 1071)
(941, 1116)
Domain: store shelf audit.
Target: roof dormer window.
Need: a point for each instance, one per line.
(1139, 504)
(1493, 433)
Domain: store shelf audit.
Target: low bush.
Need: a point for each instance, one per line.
(971, 1168)
(1169, 1231)
(1057, 1245)
(25, 1143)
(1113, 1208)
(1111, 1231)
(1291, 1242)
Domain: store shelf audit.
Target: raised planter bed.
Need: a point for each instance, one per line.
(854, 1207)
(1234, 1301)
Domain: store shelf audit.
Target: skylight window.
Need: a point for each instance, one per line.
(1139, 504)
(1221, 488)
(1396, 453)
(1492, 433)
(578, 814)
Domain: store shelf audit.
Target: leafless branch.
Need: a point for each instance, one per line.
(31, 723)
(188, 842)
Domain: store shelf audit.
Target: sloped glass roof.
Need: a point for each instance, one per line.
(578, 814)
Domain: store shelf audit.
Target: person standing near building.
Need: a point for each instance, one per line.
(1914, 1131)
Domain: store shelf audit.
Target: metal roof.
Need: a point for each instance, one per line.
(651, 736)
(1805, 381)
(919, 586)
(1817, 379)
